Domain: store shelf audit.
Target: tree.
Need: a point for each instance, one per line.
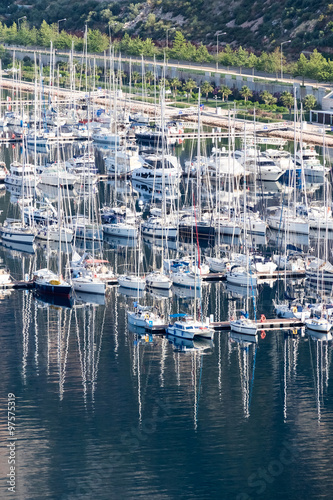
(97, 41)
(149, 76)
(241, 57)
(202, 54)
(252, 61)
(267, 97)
(135, 76)
(206, 87)
(301, 67)
(179, 46)
(245, 92)
(309, 102)
(46, 34)
(121, 75)
(225, 92)
(287, 100)
(175, 84)
(227, 56)
(189, 86)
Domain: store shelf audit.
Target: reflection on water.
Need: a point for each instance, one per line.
(74, 366)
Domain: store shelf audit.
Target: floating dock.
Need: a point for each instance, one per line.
(276, 275)
(267, 324)
(23, 285)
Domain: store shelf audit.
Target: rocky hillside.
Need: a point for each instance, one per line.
(258, 24)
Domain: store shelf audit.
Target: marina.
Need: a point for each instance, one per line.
(166, 295)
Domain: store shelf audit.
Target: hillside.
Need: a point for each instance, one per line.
(258, 25)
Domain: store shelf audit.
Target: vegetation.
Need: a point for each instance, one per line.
(314, 66)
(261, 25)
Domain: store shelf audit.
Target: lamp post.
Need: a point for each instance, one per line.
(167, 40)
(282, 43)
(19, 19)
(114, 24)
(60, 20)
(218, 33)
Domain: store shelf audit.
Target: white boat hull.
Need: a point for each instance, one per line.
(318, 326)
(120, 230)
(244, 327)
(17, 236)
(88, 286)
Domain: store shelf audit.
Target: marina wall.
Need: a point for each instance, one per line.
(184, 71)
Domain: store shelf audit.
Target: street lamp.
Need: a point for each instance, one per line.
(114, 25)
(167, 40)
(218, 33)
(60, 20)
(287, 41)
(19, 19)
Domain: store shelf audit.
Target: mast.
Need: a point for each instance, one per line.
(199, 164)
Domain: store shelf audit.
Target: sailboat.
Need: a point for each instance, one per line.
(146, 317)
(45, 280)
(244, 324)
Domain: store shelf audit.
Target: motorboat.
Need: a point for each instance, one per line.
(243, 325)
(318, 324)
(188, 328)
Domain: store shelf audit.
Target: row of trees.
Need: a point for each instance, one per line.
(284, 99)
(264, 98)
(316, 66)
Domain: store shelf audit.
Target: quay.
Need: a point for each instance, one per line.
(211, 119)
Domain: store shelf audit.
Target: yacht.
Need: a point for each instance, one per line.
(318, 325)
(188, 328)
(255, 163)
(55, 174)
(307, 159)
(122, 161)
(145, 317)
(21, 175)
(15, 231)
(244, 325)
(132, 282)
(153, 171)
(48, 282)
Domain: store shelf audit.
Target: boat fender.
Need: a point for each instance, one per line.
(294, 309)
(262, 318)
(262, 334)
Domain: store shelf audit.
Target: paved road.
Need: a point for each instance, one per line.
(206, 67)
